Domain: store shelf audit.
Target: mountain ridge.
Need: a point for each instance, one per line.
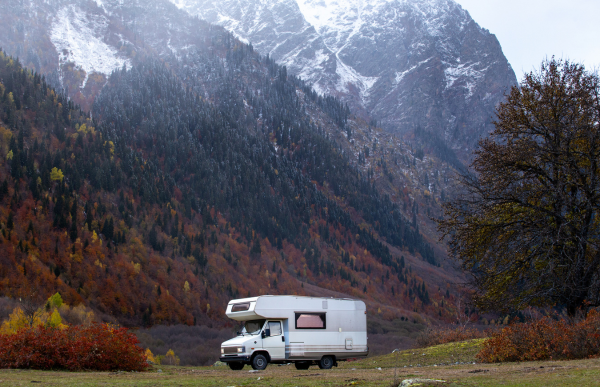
(408, 64)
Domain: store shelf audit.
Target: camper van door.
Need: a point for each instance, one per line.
(274, 342)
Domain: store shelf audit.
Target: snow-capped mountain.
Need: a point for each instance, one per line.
(419, 67)
(408, 63)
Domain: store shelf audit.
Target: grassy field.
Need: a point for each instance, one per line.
(450, 363)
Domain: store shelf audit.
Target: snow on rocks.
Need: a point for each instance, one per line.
(77, 37)
(406, 63)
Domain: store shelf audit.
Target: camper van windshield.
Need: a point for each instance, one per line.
(253, 327)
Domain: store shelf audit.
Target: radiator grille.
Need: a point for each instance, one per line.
(230, 350)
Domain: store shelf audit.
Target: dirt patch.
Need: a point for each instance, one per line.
(303, 376)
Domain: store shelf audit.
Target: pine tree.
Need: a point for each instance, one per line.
(10, 222)
(256, 249)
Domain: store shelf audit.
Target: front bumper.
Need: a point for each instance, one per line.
(242, 358)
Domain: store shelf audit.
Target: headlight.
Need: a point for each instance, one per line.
(241, 349)
(222, 350)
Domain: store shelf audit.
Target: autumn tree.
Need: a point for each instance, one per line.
(150, 356)
(526, 225)
(170, 358)
(29, 303)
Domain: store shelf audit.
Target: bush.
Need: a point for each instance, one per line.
(440, 335)
(98, 347)
(545, 339)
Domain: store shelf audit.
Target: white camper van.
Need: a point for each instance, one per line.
(301, 330)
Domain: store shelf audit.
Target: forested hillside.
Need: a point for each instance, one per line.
(76, 44)
(195, 182)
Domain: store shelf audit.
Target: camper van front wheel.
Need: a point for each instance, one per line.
(259, 362)
(326, 362)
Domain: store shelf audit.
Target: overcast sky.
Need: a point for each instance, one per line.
(531, 30)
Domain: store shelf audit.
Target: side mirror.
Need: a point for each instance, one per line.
(268, 332)
(263, 334)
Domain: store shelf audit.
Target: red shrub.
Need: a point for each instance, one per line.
(98, 347)
(545, 339)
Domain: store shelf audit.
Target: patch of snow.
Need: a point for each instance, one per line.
(401, 75)
(179, 3)
(349, 76)
(234, 26)
(308, 66)
(468, 73)
(337, 21)
(77, 38)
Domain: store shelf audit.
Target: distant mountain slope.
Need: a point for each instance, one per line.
(408, 63)
(51, 37)
(206, 173)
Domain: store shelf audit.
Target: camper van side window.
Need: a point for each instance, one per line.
(240, 307)
(311, 321)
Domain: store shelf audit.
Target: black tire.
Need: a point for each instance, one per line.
(302, 365)
(259, 362)
(326, 362)
(236, 365)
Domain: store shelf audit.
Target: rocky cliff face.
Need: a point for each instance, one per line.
(417, 65)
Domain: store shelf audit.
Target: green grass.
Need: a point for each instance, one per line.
(428, 363)
(444, 354)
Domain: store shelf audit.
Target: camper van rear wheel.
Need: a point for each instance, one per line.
(236, 365)
(326, 362)
(302, 365)
(259, 362)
